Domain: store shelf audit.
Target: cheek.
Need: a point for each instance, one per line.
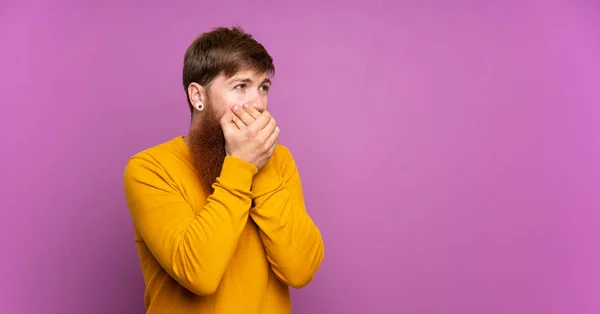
(232, 100)
(222, 104)
(239, 99)
(219, 113)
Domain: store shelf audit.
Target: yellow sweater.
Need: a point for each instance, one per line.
(235, 251)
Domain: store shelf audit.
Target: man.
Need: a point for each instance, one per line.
(219, 216)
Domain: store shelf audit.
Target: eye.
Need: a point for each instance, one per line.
(265, 88)
(240, 86)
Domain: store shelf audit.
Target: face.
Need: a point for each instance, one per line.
(205, 139)
(245, 87)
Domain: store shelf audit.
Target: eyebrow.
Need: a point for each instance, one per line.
(249, 80)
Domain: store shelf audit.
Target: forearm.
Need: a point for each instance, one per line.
(292, 240)
(200, 252)
(193, 246)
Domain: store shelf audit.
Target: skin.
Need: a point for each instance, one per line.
(241, 101)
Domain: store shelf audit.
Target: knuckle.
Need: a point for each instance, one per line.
(246, 133)
(250, 132)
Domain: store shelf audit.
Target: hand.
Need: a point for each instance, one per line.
(253, 137)
(244, 115)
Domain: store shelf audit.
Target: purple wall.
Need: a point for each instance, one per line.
(450, 153)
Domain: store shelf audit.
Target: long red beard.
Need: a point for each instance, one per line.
(207, 145)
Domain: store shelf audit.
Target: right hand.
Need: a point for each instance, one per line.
(254, 143)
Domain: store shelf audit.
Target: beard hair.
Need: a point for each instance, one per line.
(207, 145)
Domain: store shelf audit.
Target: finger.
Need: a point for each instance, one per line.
(274, 138)
(227, 119)
(237, 122)
(271, 151)
(227, 124)
(262, 121)
(252, 111)
(241, 113)
(269, 128)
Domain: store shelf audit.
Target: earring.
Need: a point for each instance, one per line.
(200, 106)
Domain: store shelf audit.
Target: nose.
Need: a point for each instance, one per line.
(258, 104)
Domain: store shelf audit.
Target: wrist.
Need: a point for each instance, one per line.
(266, 181)
(237, 171)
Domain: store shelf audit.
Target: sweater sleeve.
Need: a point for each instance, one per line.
(194, 246)
(292, 241)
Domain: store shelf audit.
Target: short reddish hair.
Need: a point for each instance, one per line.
(223, 50)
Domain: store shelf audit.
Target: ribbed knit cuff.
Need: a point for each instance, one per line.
(237, 174)
(266, 181)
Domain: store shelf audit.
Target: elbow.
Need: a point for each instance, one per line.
(203, 290)
(301, 274)
(201, 281)
(296, 276)
(299, 281)
(203, 287)
(199, 276)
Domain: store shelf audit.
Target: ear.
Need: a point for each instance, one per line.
(196, 94)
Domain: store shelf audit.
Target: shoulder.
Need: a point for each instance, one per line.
(155, 159)
(284, 160)
(283, 155)
(282, 151)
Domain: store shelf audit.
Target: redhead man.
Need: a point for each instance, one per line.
(219, 215)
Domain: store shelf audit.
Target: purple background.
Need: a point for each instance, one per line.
(449, 150)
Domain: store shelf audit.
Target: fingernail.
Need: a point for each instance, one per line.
(245, 105)
(235, 108)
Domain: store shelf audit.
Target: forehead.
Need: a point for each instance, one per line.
(246, 75)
